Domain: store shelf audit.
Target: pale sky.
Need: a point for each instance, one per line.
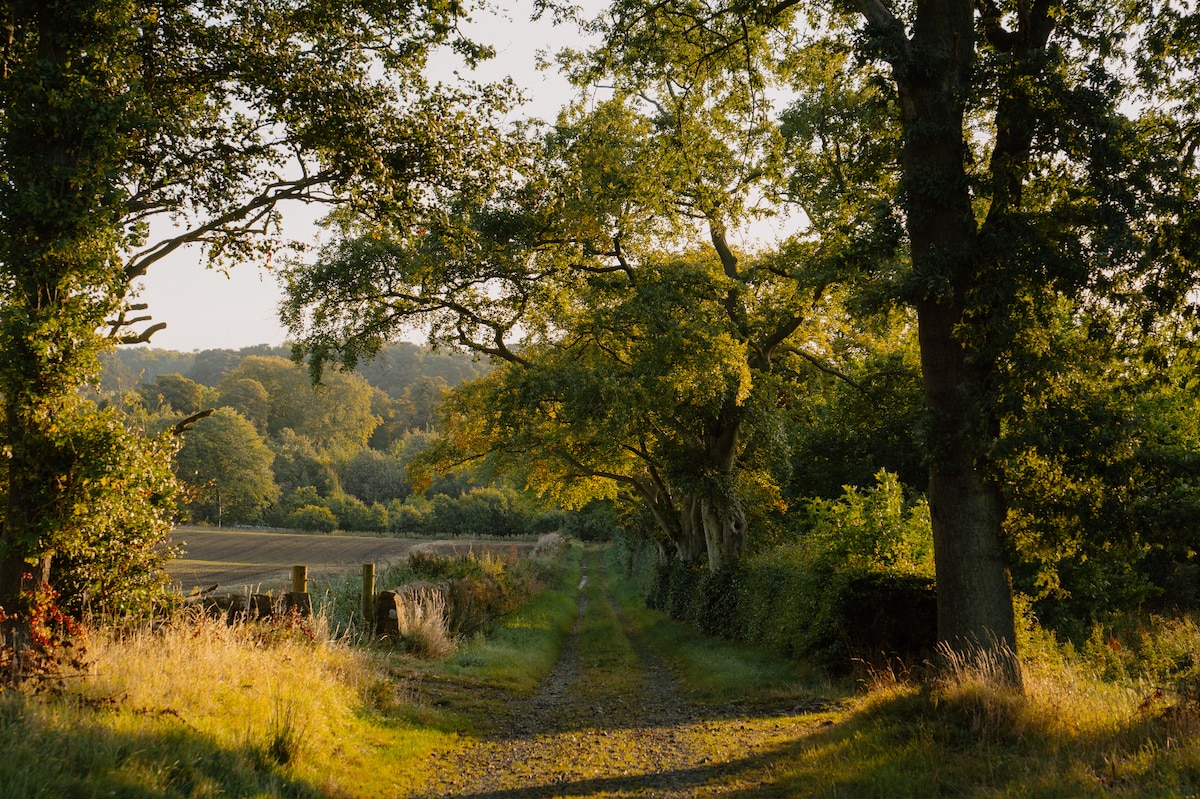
(205, 309)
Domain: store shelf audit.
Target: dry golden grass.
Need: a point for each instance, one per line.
(196, 708)
(421, 620)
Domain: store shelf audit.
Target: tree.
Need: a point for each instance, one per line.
(335, 416)
(297, 464)
(209, 115)
(228, 467)
(374, 477)
(640, 349)
(175, 392)
(248, 397)
(1024, 178)
(419, 401)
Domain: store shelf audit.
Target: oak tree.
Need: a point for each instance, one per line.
(1034, 165)
(130, 129)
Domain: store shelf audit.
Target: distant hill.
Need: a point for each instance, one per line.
(396, 367)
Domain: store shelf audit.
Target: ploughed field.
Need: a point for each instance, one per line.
(236, 559)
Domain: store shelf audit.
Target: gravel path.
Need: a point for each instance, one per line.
(601, 726)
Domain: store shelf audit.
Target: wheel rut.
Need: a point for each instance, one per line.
(611, 721)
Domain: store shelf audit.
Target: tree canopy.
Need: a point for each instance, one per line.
(121, 117)
(988, 166)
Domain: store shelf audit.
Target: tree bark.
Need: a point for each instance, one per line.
(692, 544)
(724, 531)
(933, 73)
(975, 608)
(719, 509)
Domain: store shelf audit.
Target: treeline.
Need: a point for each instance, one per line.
(979, 310)
(278, 451)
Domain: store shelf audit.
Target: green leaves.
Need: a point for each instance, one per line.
(202, 118)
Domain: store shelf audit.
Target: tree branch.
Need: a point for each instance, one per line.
(827, 368)
(261, 204)
(140, 338)
(181, 427)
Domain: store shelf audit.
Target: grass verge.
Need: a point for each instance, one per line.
(198, 709)
(711, 669)
(1118, 718)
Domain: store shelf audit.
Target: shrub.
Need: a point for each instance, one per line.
(354, 514)
(858, 586)
(118, 494)
(717, 609)
(478, 589)
(405, 519)
(312, 517)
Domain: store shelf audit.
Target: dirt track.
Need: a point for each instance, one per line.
(610, 722)
(239, 558)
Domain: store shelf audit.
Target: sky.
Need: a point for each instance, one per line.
(207, 309)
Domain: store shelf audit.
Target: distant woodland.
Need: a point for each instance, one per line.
(278, 451)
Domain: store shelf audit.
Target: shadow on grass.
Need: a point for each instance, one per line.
(905, 747)
(49, 748)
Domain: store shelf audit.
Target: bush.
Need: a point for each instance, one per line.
(314, 518)
(859, 585)
(481, 512)
(354, 514)
(119, 494)
(784, 602)
(479, 589)
(406, 519)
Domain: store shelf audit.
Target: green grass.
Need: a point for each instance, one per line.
(711, 669)
(201, 710)
(1087, 724)
(523, 646)
(198, 709)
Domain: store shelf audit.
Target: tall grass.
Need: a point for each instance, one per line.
(291, 708)
(196, 708)
(422, 623)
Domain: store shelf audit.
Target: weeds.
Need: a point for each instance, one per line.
(421, 621)
(286, 732)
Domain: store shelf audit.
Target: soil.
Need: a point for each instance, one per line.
(622, 727)
(235, 559)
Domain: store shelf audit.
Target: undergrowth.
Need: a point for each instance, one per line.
(294, 707)
(1117, 716)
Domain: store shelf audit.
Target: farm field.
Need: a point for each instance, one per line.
(235, 559)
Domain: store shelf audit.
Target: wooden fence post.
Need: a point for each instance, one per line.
(299, 579)
(298, 599)
(368, 594)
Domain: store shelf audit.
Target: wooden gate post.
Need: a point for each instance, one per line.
(368, 595)
(299, 579)
(298, 599)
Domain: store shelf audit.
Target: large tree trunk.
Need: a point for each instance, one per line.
(691, 545)
(975, 608)
(719, 510)
(933, 73)
(724, 531)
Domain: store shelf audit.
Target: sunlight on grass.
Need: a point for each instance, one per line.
(713, 669)
(201, 709)
(524, 647)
